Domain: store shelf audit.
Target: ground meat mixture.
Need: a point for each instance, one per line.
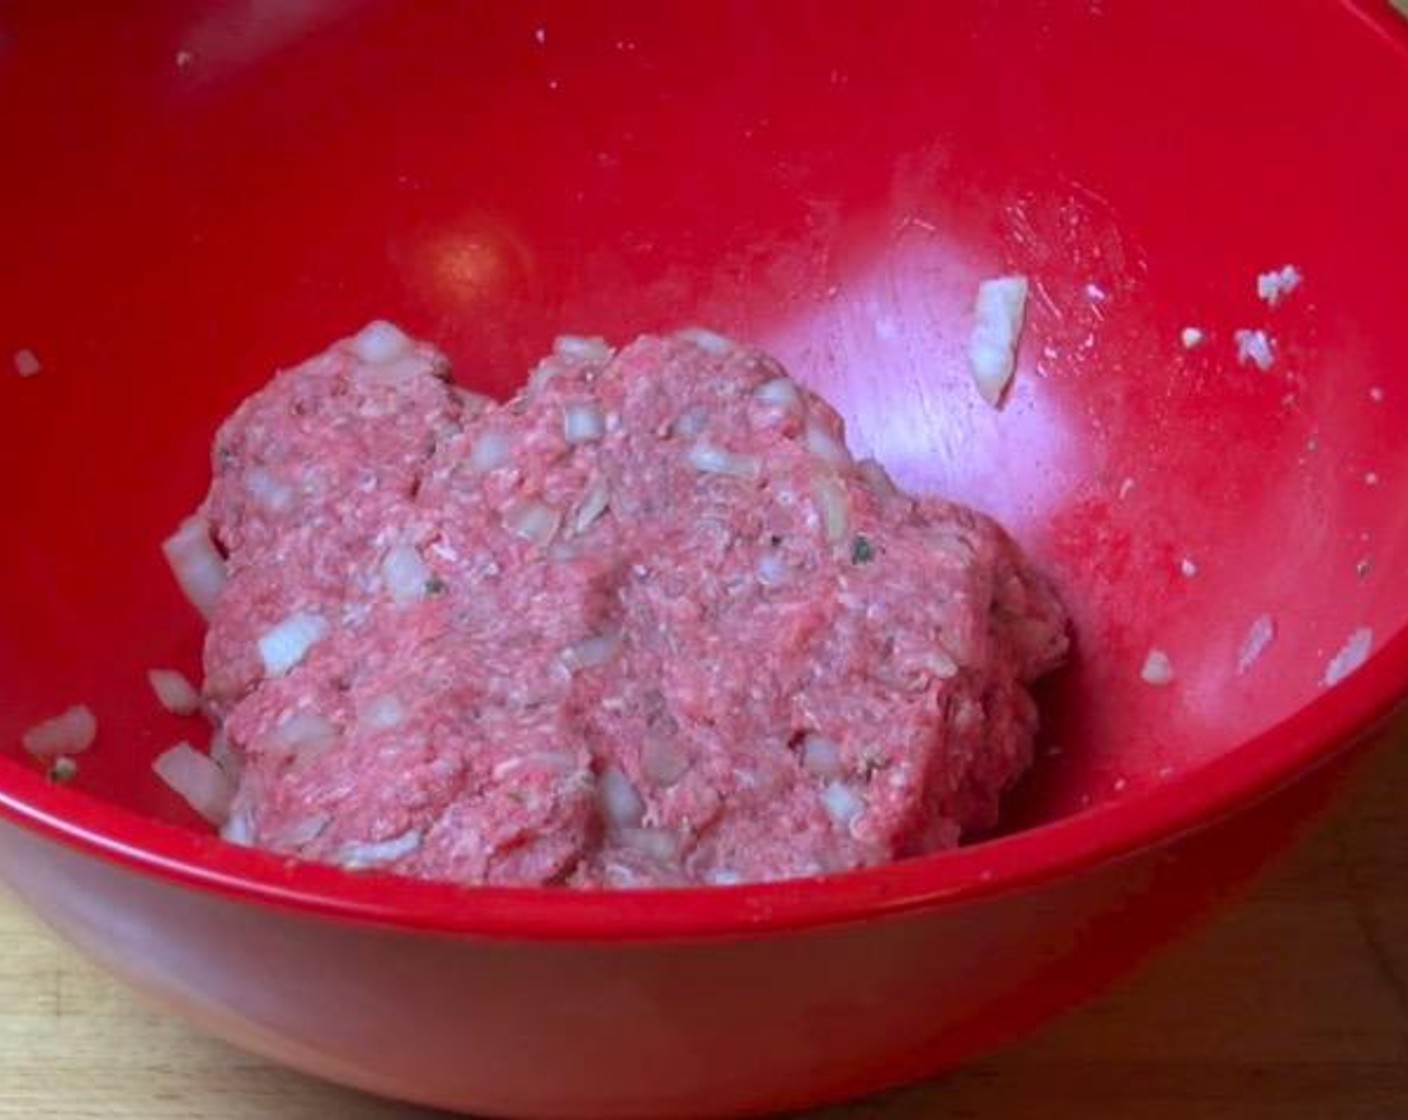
(645, 624)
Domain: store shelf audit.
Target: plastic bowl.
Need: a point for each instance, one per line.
(196, 194)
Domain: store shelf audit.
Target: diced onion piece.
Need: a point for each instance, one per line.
(379, 853)
(491, 450)
(174, 691)
(380, 341)
(70, 732)
(1260, 634)
(383, 713)
(834, 507)
(826, 447)
(711, 342)
(691, 422)
(620, 803)
(592, 652)
(705, 457)
(285, 644)
(1254, 347)
(821, 757)
(1158, 668)
(532, 520)
(196, 563)
(1279, 282)
(657, 843)
(780, 392)
(1000, 310)
(405, 574)
(940, 664)
(772, 570)
(1351, 656)
(239, 829)
(268, 491)
(593, 504)
(662, 759)
(27, 363)
(223, 754)
(1190, 337)
(581, 348)
(305, 733)
(204, 786)
(582, 422)
(843, 804)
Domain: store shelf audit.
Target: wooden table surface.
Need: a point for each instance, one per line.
(1292, 1006)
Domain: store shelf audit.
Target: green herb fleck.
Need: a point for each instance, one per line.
(62, 770)
(436, 586)
(862, 551)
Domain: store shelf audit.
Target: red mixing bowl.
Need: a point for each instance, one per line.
(196, 194)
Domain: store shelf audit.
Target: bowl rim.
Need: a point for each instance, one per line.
(1337, 718)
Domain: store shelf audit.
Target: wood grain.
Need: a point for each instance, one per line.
(1292, 1006)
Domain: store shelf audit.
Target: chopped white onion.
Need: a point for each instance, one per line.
(589, 653)
(593, 504)
(691, 422)
(843, 804)
(582, 423)
(1254, 347)
(70, 732)
(490, 451)
(653, 842)
(380, 341)
(1260, 634)
(662, 759)
(306, 734)
(780, 392)
(581, 348)
(711, 342)
(239, 829)
(204, 786)
(1190, 337)
(1188, 567)
(940, 664)
(704, 456)
(378, 853)
(196, 563)
(268, 491)
(1351, 656)
(1273, 286)
(1157, 669)
(620, 802)
(1000, 310)
(222, 752)
(532, 520)
(285, 644)
(383, 713)
(405, 574)
(826, 447)
(772, 569)
(27, 363)
(834, 507)
(174, 691)
(821, 757)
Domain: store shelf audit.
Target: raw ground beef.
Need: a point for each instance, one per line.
(644, 624)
